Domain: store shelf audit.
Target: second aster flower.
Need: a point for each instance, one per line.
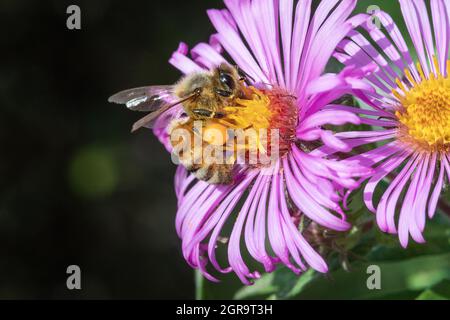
(410, 110)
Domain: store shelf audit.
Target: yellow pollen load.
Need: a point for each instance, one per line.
(248, 115)
(425, 110)
(215, 134)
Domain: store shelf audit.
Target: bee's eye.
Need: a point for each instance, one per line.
(226, 80)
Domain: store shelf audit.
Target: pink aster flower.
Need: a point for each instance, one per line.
(284, 49)
(411, 110)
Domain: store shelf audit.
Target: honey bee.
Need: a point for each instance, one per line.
(203, 96)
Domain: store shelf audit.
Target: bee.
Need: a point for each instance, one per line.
(203, 96)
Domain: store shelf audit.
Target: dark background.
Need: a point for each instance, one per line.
(75, 186)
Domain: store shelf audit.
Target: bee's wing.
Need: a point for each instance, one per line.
(149, 120)
(146, 99)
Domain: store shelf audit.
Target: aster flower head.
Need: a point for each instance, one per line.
(410, 110)
(284, 48)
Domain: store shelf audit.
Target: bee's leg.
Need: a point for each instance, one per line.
(215, 173)
(202, 113)
(223, 93)
(219, 115)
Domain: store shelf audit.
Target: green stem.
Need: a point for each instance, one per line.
(199, 282)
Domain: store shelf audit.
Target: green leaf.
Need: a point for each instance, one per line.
(440, 291)
(387, 247)
(443, 288)
(430, 295)
(306, 278)
(262, 287)
(281, 284)
(396, 277)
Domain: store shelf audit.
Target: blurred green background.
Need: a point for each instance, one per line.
(77, 188)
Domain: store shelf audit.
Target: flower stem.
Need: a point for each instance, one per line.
(199, 282)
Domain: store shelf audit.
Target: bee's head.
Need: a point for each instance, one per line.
(221, 82)
(226, 81)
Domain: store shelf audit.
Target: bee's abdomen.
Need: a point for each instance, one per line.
(214, 173)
